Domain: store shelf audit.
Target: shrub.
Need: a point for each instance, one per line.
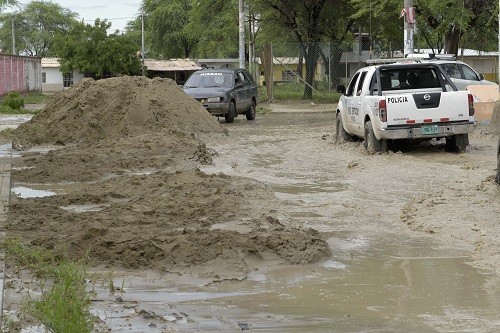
(14, 100)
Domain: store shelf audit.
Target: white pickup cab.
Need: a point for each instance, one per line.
(404, 101)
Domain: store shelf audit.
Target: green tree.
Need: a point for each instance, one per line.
(441, 25)
(36, 27)
(303, 20)
(88, 49)
(166, 21)
(7, 3)
(214, 24)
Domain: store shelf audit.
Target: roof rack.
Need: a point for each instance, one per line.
(412, 57)
(389, 60)
(430, 56)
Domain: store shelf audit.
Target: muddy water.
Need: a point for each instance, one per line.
(381, 276)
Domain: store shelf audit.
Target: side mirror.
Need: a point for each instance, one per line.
(341, 89)
(481, 77)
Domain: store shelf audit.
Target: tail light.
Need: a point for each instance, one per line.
(382, 110)
(471, 105)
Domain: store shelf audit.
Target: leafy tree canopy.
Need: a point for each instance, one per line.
(215, 26)
(442, 26)
(35, 27)
(88, 49)
(165, 23)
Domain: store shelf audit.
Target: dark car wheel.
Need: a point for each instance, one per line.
(230, 113)
(457, 143)
(251, 112)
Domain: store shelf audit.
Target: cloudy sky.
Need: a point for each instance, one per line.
(116, 11)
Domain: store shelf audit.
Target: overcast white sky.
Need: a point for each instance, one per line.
(116, 11)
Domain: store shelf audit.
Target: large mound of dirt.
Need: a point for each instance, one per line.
(129, 193)
(114, 108)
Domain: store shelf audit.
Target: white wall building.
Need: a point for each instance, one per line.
(53, 79)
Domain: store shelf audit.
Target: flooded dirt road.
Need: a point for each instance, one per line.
(413, 237)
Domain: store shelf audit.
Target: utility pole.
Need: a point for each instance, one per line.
(142, 43)
(409, 26)
(241, 20)
(13, 37)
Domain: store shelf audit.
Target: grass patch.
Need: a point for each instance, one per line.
(4, 109)
(64, 303)
(36, 98)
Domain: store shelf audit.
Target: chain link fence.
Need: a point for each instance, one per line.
(314, 70)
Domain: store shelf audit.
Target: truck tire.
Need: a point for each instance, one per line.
(230, 113)
(251, 112)
(371, 143)
(457, 143)
(340, 133)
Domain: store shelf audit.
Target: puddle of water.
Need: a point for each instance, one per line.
(26, 192)
(6, 150)
(306, 188)
(377, 285)
(83, 208)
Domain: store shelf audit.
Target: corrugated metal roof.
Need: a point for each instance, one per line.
(171, 65)
(50, 63)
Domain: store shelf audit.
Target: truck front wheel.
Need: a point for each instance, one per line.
(457, 143)
(340, 133)
(371, 143)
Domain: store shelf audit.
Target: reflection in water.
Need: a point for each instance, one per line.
(25, 192)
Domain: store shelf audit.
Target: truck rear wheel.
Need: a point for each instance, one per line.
(457, 143)
(340, 133)
(371, 143)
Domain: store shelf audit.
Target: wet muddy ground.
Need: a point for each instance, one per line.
(400, 261)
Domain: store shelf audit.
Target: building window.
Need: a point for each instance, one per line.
(44, 77)
(67, 80)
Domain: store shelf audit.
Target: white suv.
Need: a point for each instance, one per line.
(460, 73)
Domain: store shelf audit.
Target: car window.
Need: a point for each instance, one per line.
(209, 79)
(352, 84)
(411, 78)
(469, 74)
(240, 78)
(248, 79)
(452, 70)
(359, 86)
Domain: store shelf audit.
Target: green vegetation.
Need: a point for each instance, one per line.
(64, 304)
(13, 100)
(36, 98)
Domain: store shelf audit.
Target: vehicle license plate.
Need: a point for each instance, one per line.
(430, 129)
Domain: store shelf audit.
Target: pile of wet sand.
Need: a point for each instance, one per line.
(129, 191)
(115, 108)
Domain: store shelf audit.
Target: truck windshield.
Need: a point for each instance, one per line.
(408, 78)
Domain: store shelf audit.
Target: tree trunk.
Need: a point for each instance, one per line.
(311, 61)
(452, 40)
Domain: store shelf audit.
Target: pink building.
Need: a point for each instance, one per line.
(18, 73)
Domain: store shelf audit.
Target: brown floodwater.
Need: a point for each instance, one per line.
(380, 277)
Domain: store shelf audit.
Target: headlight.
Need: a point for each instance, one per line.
(214, 99)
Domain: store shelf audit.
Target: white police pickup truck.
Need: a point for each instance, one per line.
(404, 101)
